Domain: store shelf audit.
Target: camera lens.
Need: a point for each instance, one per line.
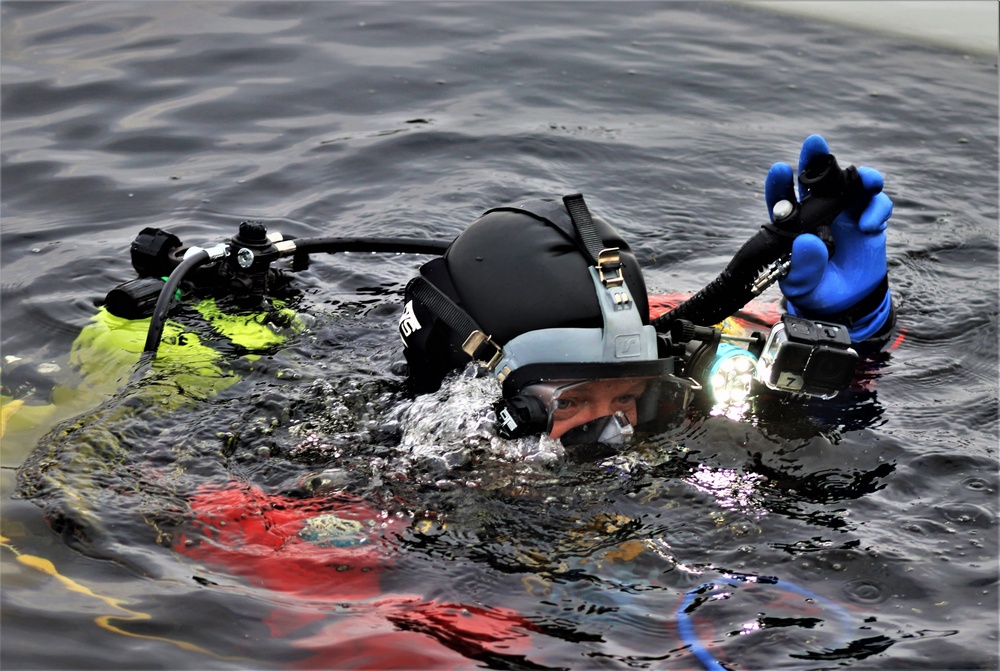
(830, 369)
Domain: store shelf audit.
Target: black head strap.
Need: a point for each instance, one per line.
(607, 260)
(478, 345)
(584, 223)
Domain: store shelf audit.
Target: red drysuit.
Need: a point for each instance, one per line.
(324, 555)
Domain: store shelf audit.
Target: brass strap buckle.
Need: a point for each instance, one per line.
(476, 340)
(610, 260)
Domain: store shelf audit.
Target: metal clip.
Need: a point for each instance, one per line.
(476, 340)
(610, 260)
(769, 276)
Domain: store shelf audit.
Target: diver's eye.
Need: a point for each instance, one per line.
(625, 399)
(564, 403)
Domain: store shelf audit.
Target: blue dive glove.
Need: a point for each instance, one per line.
(851, 286)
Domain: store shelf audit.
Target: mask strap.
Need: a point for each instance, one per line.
(478, 345)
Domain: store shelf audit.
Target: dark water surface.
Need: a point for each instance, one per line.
(330, 118)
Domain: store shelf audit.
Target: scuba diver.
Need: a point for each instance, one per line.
(549, 300)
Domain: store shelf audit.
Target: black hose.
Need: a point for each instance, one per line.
(303, 246)
(732, 289)
(163, 303)
(389, 245)
(832, 191)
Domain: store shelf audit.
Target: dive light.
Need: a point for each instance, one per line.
(799, 356)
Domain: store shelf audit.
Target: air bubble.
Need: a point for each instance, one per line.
(865, 592)
(976, 484)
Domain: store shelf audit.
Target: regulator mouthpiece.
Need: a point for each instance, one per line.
(613, 431)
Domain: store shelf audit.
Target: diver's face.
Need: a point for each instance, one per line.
(581, 403)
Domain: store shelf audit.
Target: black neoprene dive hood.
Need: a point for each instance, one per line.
(516, 269)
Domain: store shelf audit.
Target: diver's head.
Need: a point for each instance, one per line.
(554, 305)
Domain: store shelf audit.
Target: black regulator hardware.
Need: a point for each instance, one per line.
(134, 299)
(155, 252)
(831, 191)
(247, 264)
(241, 269)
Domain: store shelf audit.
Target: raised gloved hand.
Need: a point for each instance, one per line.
(849, 287)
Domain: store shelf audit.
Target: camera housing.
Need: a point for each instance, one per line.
(812, 358)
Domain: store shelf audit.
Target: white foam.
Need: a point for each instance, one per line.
(451, 424)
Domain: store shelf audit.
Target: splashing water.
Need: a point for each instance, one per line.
(450, 425)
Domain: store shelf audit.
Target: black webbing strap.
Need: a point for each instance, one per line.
(477, 344)
(607, 260)
(584, 223)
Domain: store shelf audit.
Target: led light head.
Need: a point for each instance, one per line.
(730, 378)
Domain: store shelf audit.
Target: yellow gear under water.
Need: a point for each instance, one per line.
(108, 349)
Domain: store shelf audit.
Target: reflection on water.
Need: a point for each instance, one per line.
(859, 533)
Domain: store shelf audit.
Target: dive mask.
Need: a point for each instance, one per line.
(601, 410)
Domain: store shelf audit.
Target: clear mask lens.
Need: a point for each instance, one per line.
(606, 410)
